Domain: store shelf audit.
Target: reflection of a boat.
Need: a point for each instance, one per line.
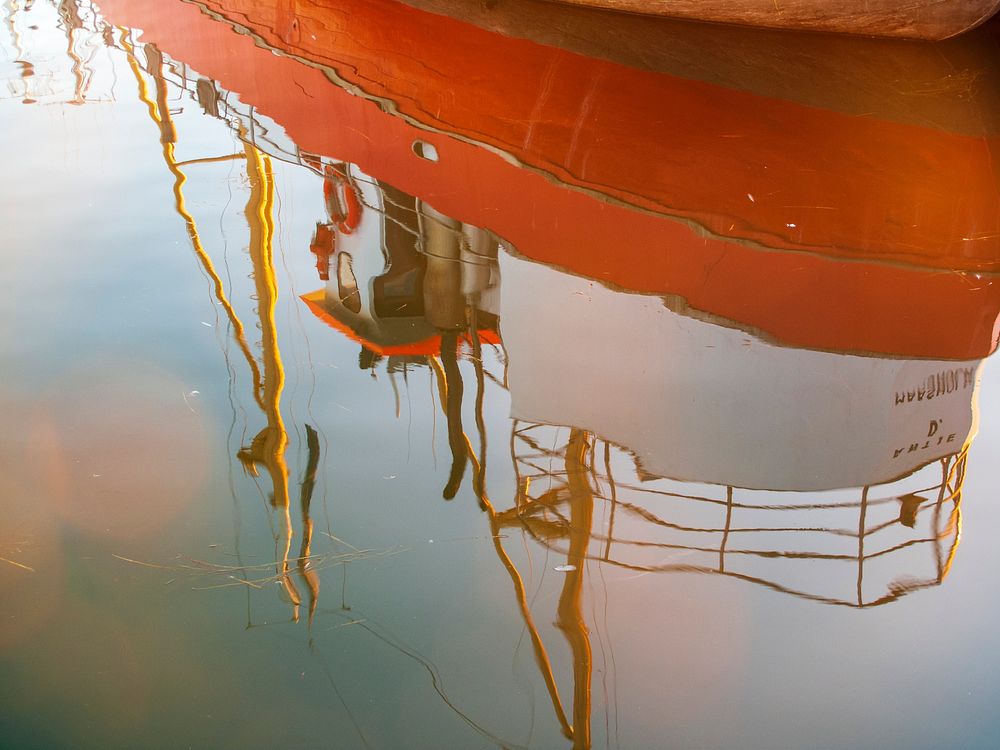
(605, 364)
(681, 202)
(416, 287)
(407, 280)
(763, 443)
(690, 397)
(406, 272)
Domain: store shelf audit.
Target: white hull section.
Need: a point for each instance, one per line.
(697, 401)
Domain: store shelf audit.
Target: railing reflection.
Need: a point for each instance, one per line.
(544, 492)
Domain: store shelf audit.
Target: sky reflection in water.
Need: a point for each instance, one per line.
(354, 402)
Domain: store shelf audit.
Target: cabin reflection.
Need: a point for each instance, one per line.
(400, 274)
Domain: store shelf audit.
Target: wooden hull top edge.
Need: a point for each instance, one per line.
(931, 20)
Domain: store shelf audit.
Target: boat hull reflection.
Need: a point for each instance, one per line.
(683, 365)
(749, 457)
(699, 401)
(602, 221)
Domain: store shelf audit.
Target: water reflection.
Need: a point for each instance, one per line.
(803, 423)
(727, 350)
(800, 420)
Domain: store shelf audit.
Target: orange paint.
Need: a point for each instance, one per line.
(811, 299)
(744, 166)
(428, 347)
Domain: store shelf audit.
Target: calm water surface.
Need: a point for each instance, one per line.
(374, 379)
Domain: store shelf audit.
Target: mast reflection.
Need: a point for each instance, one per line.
(268, 447)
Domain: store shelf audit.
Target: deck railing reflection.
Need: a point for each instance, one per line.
(846, 532)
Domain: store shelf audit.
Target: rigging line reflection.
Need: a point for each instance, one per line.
(268, 447)
(309, 575)
(571, 620)
(541, 655)
(520, 594)
(167, 132)
(570, 615)
(457, 439)
(570, 608)
(72, 22)
(383, 634)
(206, 263)
(479, 482)
(314, 649)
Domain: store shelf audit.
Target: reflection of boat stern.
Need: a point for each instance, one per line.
(826, 476)
(700, 401)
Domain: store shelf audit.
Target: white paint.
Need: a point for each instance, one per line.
(696, 401)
